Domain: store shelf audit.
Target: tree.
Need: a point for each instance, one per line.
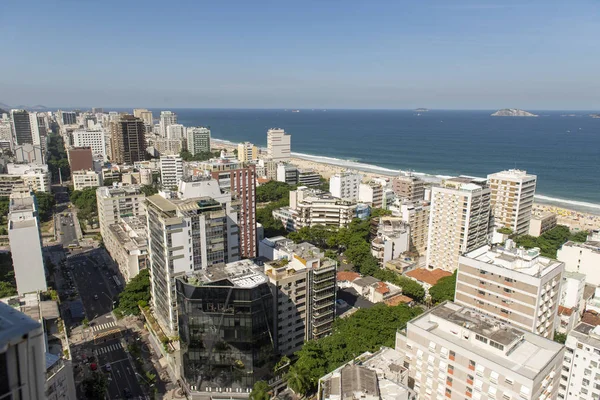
(85, 201)
(299, 380)
(549, 242)
(45, 202)
(94, 386)
(560, 337)
(444, 289)
(149, 190)
(136, 291)
(273, 191)
(505, 231)
(202, 156)
(260, 391)
(380, 212)
(57, 158)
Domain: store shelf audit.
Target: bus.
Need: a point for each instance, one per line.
(117, 280)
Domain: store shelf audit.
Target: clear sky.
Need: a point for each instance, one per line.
(458, 54)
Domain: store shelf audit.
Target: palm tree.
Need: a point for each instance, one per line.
(298, 380)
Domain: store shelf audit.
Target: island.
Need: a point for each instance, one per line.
(512, 112)
(421, 110)
(595, 115)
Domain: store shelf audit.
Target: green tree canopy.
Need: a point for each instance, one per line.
(273, 191)
(45, 202)
(203, 156)
(149, 190)
(94, 386)
(444, 289)
(550, 241)
(136, 291)
(260, 391)
(57, 158)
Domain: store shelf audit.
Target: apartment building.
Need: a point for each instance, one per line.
(85, 179)
(29, 153)
(247, 152)
(167, 118)
(458, 221)
(572, 304)
(225, 315)
(92, 138)
(416, 215)
(409, 187)
(303, 282)
(391, 240)
(198, 140)
(176, 132)
(308, 177)
(345, 185)
(166, 146)
(34, 176)
(127, 140)
(80, 158)
(25, 240)
(287, 173)
(513, 285)
(240, 180)
(117, 202)
(583, 257)
(456, 352)
(171, 171)
(371, 193)
(187, 235)
(511, 199)
(542, 223)
(127, 244)
(22, 359)
(312, 207)
(144, 115)
(279, 145)
(580, 377)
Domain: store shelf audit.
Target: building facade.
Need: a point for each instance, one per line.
(198, 140)
(409, 187)
(458, 221)
(247, 152)
(583, 257)
(312, 207)
(128, 141)
(80, 159)
(371, 193)
(115, 203)
(542, 223)
(171, 171)
(279, 145)
(167, 118)
(580, 378)
(86, 179)
(417, 217)
(176, 132)
(92, 138)
(513, 285)
(392, 239)
(127, 244)
(345, 185)
(511, 199)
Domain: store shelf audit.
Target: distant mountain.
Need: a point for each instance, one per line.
(5, 106)
(22, 107)
(512, 112)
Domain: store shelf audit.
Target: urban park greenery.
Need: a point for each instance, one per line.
(550, 241)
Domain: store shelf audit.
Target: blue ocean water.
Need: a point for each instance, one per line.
(564, 151)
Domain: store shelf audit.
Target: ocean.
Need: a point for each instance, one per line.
(561, 148)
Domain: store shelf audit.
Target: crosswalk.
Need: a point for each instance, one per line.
(103, 327)
(109, 348)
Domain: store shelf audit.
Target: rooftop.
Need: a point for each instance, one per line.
(468, 183)
(528, 262)
(347, 276)
(14, 325)
(587, 333)
(523, 352)
(398, 299)
(116, 191)
(241, 274)
(512, 174)
(428, 276)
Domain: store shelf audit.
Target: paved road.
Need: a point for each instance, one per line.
(93, 278)
(66, 227)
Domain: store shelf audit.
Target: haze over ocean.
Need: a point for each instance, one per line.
(563, 151)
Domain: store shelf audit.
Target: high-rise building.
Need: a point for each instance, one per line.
(198, 140)
(511, 199)
(345, 185)
(93, 138)
(171, 171)
(166, 118)
(176, 131)
(186, 236)
(80, 159)
(458, 221)
(238, 179)
(21, 125)
(67, 117)
(417, 217)
(580, 378)
(247, 152)
(6, 129)
(225, 315)
(115, 203)
(279, 145)
(127, 244)
(456, 352)
(513, 285)
(144, 115)
(22, 359)
(572, 304)
(25, 240)
(409, 187)
(371, 193)
(128, 141)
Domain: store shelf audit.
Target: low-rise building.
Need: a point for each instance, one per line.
(312, 207)
(34, 176)
(456, 352)
(308, 177)
(287, 173)
(371, 193)
(427, 277)
(572, 304)
(580, 378)
(80, 159)
(86, 179)
(29, 153)
(368, 287)
(391, 240)
(583, 257)
(541, 223)
(127, 243)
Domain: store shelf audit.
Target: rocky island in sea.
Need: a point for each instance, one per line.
(512, 112)
(421, 110)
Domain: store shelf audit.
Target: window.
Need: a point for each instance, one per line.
(481, 292)
(492, 391)
(479, 370)
(506, 396)
(585, 382)
(448, 392)
(507, 290)
(481, 338)
(470, 379)
(508, 380)
(504, 310)
(496, 345)
(451, 369)
(452, 355)
(509, 280)
(471, 365)
(494, 377)
(482, 272)
(449, 381)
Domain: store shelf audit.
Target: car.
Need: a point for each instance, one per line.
(108, 367)
(95, 297)
(93, 366)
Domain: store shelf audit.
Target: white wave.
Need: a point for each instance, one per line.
(571, 203)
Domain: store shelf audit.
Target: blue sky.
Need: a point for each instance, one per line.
(293, 54)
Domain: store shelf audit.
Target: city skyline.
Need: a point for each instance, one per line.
(394, 56)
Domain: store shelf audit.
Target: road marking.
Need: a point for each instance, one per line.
(103, 327)
(109, 348)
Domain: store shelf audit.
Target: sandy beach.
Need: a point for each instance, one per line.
(575, 220)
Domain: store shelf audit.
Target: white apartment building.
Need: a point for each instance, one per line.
(458, 221)
(186, 236)
(198, 140)
(345, 185)
(312, 207)
(393, 239)
(416, 215)
(371, 193)
(166, 118)
(26, 242)
(572, 305)
(176, 131)
(22, 361)
(115, 203)
(580, 378)
(583, 257)
(127, 243)
(511, 200)
(34, 176)
(279, 145)
(455, 352)
(5, 129)
(247, 152)
(94, 138)
(542, 223)
(86, 179)
(513, 285)
(171, 171)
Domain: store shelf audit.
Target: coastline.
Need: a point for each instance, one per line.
(576, 214)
